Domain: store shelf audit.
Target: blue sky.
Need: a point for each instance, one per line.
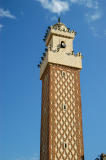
(22, 27)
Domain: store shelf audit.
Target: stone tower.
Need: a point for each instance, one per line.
(61, 116)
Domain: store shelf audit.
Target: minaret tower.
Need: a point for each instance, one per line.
(61, 116)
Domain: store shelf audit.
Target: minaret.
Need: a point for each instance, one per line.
(61, 116)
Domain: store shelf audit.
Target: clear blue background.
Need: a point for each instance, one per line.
(21, 47)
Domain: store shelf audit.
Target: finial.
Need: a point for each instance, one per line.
(59, 20)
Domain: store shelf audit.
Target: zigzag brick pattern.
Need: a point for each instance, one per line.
(61, 129)
(44, 146)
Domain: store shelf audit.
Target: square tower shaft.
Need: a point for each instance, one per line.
(61, 116)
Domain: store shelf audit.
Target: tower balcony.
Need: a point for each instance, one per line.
(66, 59)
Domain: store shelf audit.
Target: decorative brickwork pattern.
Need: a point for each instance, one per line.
(44, 148)
(61, 128)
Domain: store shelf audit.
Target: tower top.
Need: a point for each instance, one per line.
(58, 29)
(60, 26)
(59, 43)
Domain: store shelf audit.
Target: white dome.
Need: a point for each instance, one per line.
(60, 26)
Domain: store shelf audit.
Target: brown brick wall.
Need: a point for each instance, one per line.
(61, 127)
